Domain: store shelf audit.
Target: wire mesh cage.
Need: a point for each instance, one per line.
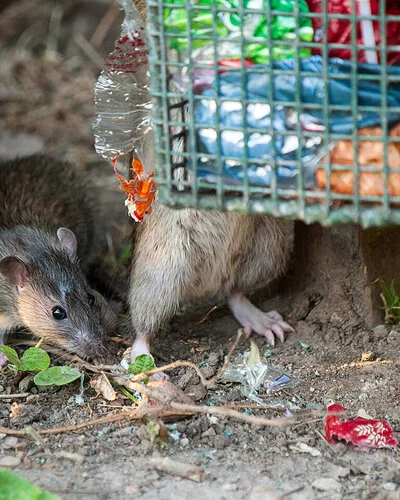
(281, 107)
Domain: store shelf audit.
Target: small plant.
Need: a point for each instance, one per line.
(391, 303)
(14, 486)
(37, 360)
(142, 363)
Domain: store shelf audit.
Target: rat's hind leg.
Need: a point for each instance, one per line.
(160, 276)
(269, 325)
(265, 260)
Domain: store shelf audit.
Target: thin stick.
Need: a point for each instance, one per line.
(387, 315)
(323, 438)
(206, 316)
(212, 380)
(171, 366)
(177, 364)
(132, 415)
(89, 50)
(15, 396)
(54, 32)
(223, 411)
(36, 437)
(104, 25)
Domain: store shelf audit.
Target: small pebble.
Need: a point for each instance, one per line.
(197, 392)
(26, 383)
(9, 461)
(213, 358)
(126, 431)
(9, 443)
(181, 427)
(142, 433)
(221, 442)
(208, 371)
(326, 484)
(394, 336)
(229, 487)
(380, 332)
(389, 486)
(367, 356)
(184, 442)
(187, 379)
(131, 490)
(209, 433)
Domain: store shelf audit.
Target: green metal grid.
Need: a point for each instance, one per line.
(175, 129)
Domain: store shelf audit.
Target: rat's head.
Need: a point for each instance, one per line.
(54, 298)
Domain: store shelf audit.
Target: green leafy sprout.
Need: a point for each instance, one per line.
(14, 486)
(391, 302)
(37, 360)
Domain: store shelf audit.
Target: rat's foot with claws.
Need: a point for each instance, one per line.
(269, 325)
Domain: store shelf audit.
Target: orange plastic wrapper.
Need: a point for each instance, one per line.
(140, 190)
(370, 153)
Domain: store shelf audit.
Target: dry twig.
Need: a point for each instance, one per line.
(15, 396)
(206, 316)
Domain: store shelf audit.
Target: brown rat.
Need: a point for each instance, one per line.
(186, 255)
(44, 203)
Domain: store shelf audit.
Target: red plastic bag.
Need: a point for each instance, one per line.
(339, 30)
(359, 431)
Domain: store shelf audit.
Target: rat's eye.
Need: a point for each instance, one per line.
(59, 313)
(90, 299)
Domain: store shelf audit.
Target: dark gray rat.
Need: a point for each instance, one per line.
(45, 208)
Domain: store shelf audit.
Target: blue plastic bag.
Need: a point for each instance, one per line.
(286, 149)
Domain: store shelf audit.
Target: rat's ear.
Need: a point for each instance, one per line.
(68, 241)
(14, 271)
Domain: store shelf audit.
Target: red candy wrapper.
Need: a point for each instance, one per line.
(339, 30)
(360, 431)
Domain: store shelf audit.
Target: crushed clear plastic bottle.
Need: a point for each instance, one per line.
(122, 98)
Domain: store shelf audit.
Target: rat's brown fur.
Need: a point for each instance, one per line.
(186, 255)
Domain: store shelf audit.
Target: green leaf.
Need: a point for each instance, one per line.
(126, 254)
(14, 487)
(57, 375)
(11, 355)
(35, 358)
(142, 363)
(392, 288)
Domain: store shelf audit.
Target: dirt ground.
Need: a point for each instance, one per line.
(47, 73)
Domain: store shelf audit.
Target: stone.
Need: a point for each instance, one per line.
(326, 484)
(229, 487)
(196, 392)
(208, 371)
(389, 486)
(9, 443)
(221, 442)
(393, 337)
(9, 461)
(213, 358)
(26, 383)
(209, 433)
(187, 378)
(142, 433)
(380, 332)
